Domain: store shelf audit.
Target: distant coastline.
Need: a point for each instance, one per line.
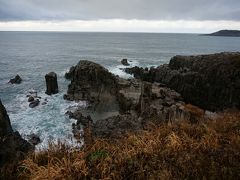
(227, 33)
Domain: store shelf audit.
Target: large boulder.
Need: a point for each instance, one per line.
(51, 83)
(211, 82)
(13, 147)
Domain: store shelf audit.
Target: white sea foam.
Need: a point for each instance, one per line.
(48, 121)
(117, 70)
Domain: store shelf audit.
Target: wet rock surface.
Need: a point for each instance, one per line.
(51, 83)
(211, 82)
(16, 80)
(13, 147)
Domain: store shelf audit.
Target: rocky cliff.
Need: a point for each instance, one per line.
(211, 82)
(13, 147)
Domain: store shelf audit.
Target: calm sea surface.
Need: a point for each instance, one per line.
(33, 54)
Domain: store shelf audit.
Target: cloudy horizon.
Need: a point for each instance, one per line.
(184, 16)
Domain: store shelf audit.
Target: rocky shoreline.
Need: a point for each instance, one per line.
(188, 88)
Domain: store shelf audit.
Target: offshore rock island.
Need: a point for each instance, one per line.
(186, 93)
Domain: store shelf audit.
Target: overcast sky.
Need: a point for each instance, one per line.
(120, 15)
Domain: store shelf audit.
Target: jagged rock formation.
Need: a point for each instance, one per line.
(209, 81)
(13, 147)
(51, 83)
(136, 101)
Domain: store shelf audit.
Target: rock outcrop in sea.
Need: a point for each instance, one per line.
(13, 146)
(125, 62)
(51, 83)
(211, 82)
(136, 102)
(16, 80)
(93, 83)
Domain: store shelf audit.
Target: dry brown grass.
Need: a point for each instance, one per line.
(204, 150)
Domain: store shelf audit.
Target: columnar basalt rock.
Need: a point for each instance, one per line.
(51, 83)
(93, 83)
(211, 82)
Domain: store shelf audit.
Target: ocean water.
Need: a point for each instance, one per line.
(33, 54)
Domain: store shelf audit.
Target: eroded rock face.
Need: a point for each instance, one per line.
(209, 81)
(51, 83)
(13, 147)
(93, 83)
(5, 125)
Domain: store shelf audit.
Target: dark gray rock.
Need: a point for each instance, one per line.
(77, 115)
(13, 147)
(211, 82)
(16, 80)
(34, 103)
(95, 84)
(70, 73)
(5, 125)
(125, 62)
(51, 83)
(30, 99)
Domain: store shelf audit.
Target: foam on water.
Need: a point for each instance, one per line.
(117, 70)
(47, 121)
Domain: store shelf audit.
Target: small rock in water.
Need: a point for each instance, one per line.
(30, 99)
(125, 62)
(34, 103)
(34, 139)
(16, 80)
(44, 103)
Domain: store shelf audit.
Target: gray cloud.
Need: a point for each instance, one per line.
(17, 10)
